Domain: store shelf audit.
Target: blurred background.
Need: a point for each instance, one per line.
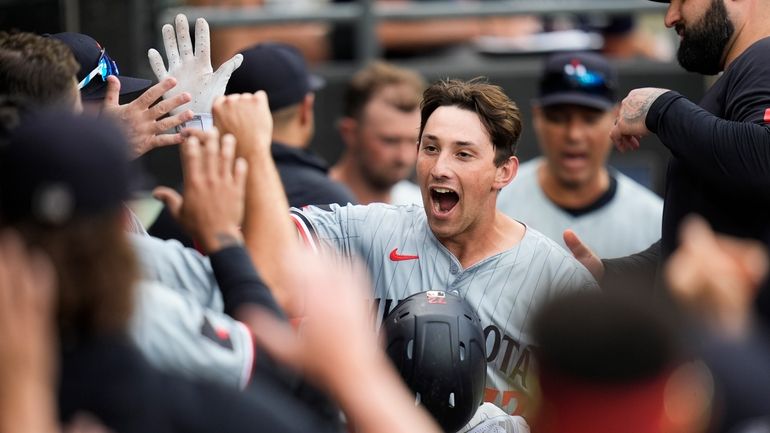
(503, 40)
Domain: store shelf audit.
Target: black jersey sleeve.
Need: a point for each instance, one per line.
(636, 272)
(734, 152)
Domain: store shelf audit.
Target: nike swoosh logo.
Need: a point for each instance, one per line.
(396, 257)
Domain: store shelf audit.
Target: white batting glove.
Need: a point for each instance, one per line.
(491, 419)
(192, 71)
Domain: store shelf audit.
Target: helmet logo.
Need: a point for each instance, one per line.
(436, 297)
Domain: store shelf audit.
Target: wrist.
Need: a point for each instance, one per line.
(220, 239)
(200, 121)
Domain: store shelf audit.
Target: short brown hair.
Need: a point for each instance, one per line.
(38, 68)
(376, 76)
(497, 112)
(96, 271)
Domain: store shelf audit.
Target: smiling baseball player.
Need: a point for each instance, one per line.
(459, 242)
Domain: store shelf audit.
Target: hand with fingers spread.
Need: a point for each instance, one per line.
(27, 334)
(214, 190)
(192, 70)
(247, 116)
(630, 126)
(144, 123)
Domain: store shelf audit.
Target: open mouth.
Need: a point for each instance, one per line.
(574, 159)
(443, 200)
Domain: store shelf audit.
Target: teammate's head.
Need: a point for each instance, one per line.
(39, 69)
(61, 187)
(280, 71)
(436, 342)
(468, 135)
(705, 29)
(605, 361)
(94, 65)
(573, 115)
(380, 123)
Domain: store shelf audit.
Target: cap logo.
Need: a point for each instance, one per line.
(53, 203)
(582, 76)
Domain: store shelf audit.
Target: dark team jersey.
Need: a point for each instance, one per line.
(720, 163)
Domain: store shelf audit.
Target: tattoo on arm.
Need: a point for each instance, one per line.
(638, 109)
(227, 240)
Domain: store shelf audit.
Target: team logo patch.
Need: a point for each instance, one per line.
(396, 257)
(219, 336)
(767, 115)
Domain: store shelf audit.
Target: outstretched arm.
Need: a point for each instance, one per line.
(267, 228)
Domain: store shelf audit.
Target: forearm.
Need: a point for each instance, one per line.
(267, 227)
(728, 151)
(27, 407)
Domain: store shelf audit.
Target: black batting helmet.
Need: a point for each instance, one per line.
(436, 342)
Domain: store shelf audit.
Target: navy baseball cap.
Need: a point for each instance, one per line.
(579, 78)
(55, 166)
(279, 70)
(90, 55)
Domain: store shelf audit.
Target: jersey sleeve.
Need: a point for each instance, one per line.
(177, 334)
(734, 151)
(343, 228)
(179, 268)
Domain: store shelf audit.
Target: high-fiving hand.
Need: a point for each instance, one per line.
(145, 123)
(192, 70)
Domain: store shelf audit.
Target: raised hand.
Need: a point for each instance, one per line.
(214, 190)
(192, 70)
(716, 276)
(143, 122)
(247, 116)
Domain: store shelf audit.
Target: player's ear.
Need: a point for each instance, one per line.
(506, 172)
(347, 129)
(306, 108)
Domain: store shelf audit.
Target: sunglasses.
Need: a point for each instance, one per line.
(104, 68)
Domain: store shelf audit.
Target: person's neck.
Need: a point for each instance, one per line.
(484, 239)
(572, 197)
(749, 33)
(291, 137)
(348, 173)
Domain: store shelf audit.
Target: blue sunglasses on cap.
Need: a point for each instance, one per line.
(104, 68)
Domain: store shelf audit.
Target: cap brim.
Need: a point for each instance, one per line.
(661, 1)
(127, 85)
(576, 99)
(316, 82)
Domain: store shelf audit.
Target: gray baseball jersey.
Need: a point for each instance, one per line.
(404, 257)
(179, 323)
(628, 223)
